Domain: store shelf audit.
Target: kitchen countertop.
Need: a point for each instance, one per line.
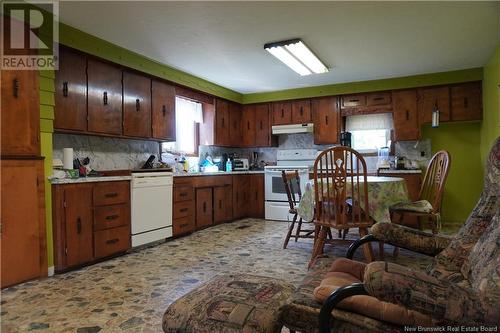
(89, 179)
(402, 171)
(218, 173)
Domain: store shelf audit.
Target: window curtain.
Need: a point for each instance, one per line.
(369, 122)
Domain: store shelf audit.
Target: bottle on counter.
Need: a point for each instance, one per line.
(229, 165)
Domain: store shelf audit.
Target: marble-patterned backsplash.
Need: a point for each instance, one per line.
(106, 153)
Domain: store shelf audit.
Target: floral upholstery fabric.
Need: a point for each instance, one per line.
(410, 238)
(421, 206)
(230, 303)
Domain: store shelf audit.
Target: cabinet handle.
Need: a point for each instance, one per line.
(183, 194)
(105, 98)
(78, 225)
(378, 98)
(184, 225)
(248, 125)
(237, 197)
(256, 196)
(137, 105)
(301, 110)
(282, 113)
(354, 100)
(164, 110)
(182, 210)
(220, 204)
(407, 115)
(65, 88)
(223, 122)
(111, 195)
(261, 125)
(204, 207)
(15, 88)
(112, 217)
(466, 102)
(326, 120)
(112, 241)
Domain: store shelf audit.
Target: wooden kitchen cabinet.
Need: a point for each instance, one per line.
(248, 126)
(222, 123)
(466, 101)
(183, 206)
(301, 111)
(256, 196)
(204, 208)
(223, 208)
(71, 91)
(23, 241)
(241, 185)
(430, 98)
(235, 135)
(405, 114)
(282, 113)
(359, 104)
(20, 113)
(326, 118)
(378, 98)
(136, 105)
(263, 133)
(352, 101)
(163, 111)
(104, 97)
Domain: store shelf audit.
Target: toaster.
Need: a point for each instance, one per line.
(241, 164)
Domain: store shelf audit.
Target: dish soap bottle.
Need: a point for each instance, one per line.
(229, 165)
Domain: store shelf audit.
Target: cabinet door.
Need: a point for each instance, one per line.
(352, 101)
(204, 207)
(71, 91)
(326, 117)
(78, 224)
(429, 99)
(136, 105)
(406, 125)
(262, 126)
(301, 112)
(104, 98)
(20, 113)
(222, 123)
(256, 196)
(222, 205)
(22, 226)
(282, 113)
(378, 98)
(466, 102)
(240, 196)
(163, 111)
(235, 135)
(248, 125)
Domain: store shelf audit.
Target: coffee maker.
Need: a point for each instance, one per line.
(345, 139)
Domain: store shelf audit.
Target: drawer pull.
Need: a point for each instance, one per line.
(182, 210)
(220, 204)
(112, 241)
(183, 194)
(407, 115)
(105, 98)
(164, 110)
(112, 217)
(184, 225)
(301, 111)
(353, 100)
(378, 98)
(111, 195)
(137, 105)
(204, 207)
(15, 88)
(326, 120)
(78, 225)
(65, 89)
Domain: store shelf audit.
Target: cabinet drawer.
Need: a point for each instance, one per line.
(353, 101)
(107, 217)
(183, 193)
(111, 193)
(183, 225)
(111, 241)
(183, 209)
(374, 99)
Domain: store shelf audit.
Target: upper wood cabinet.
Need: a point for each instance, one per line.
(20, 113)
(263, 137)
(351, 101)
(405, 113)
(104, 97)
(301, 111)
(222, 123)
(235, 135)
(163, 111)
(71, 91)
(326, 118)
(376, 102)
(378, 98)
(248, 125)
(431, 98)
(466, 103)
(282, 113)
(136, 105)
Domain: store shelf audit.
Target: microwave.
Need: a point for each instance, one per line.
(241, 164)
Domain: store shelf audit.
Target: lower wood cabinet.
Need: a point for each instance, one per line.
(248, 196)
(22, 233)
(204, 207)
(223, 203)
(183, 206)
(91, 222)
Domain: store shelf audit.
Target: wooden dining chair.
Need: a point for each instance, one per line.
(341, 197)
(428, 205)
(291, 180)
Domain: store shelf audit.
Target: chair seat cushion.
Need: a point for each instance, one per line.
(421, 206)
(230, 303)
(364, 304)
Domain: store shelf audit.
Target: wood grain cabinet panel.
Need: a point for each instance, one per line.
(301, 111)
(256, 196)
(235, 135)
(431, 98)
(107, 217)
(352, 101)
(71, 91)
(263, 136)
(104, 97)
(466, 101)
(111, 241)
(222, 123)
(182, 226)
(204, 207)
(20, 113)
(405, 113)
(163, 111)
(378, 98)
(282, 113)
(222, 196)
(326, 118)
(111, 193)
(248, 126)
(241, 186)
(136, 105)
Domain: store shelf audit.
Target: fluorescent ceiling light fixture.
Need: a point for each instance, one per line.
(296, 55)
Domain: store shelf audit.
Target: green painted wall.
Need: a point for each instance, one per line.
(490, 128)
(465, 179)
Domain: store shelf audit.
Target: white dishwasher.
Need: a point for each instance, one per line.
(151, 200)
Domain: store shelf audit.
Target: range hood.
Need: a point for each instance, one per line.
(295, 128)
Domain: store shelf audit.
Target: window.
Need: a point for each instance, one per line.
(369, 132)
(187, 114)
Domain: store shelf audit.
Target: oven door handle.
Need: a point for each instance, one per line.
(286, 170)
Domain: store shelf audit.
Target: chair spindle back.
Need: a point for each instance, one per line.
(434, 179)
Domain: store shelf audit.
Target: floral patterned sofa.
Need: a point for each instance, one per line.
(461, 286)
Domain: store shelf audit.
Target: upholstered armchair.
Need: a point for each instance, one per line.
(461, 286)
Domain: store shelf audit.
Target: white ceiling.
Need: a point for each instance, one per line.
(222, 42)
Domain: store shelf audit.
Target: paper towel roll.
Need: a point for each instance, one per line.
(67, 158)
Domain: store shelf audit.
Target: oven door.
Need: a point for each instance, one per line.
(274, 187)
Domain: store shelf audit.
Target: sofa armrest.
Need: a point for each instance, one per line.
(409, 238)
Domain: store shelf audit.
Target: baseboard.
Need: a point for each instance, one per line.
(50, 271)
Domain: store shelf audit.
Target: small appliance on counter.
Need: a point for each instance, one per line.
(400, 162)
(383, 158)
(241, 164)
(345, 139)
